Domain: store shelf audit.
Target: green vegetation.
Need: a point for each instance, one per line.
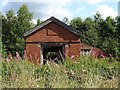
(99, 32)
(87, 72)
(95, 31)
(13, 27)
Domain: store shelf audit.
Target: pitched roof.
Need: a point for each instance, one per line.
(86, 46)
(51, 19)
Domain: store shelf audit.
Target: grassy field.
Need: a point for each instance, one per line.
(85, 73)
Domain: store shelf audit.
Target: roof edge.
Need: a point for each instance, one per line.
(51, 19)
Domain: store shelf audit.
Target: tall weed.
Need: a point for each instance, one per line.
(87, 72)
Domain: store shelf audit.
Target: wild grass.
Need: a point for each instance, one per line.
(87, 72)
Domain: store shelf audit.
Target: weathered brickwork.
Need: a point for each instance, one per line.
(52, 33)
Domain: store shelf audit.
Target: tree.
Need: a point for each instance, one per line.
(90, 35)
(99, 32)
(98, 20)
(24, 19)
(0, 35)
(108, 41)
(8, 31)
(65, 20)
(118, 27)
(76, 23)
(108, 35)
(117, 36)
(13, 28)
(24, 23)
(39, 22)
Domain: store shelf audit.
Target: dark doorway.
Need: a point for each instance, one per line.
(52, 53)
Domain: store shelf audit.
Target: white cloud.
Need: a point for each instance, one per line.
(3, 3)
(38, 0)
(79, 9)
(94, 1)
(56, 8)
(99, 1)
(42, 9)
(47, 8)
(105, 10)
(34, 21)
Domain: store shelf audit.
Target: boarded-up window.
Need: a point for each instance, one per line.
(51, 32)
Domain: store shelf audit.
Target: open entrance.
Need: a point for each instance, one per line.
(52, 53)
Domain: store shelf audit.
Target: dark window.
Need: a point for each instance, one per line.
(85, 51)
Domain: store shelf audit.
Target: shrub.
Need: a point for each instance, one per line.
(87, 72)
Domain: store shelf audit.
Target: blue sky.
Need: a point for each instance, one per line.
(44, 9)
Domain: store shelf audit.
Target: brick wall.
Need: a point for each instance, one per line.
(33, 52)
(52, 33)
(58, 34)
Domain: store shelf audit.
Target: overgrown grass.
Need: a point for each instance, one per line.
(87, 72)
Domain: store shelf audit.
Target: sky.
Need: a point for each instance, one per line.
(44, 9)
(119, 9)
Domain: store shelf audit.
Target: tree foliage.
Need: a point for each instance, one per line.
(65, 20)
(39, 22)
(99, 32)
(13, 27)
(8, 30)
(76, 23)
(96, 31)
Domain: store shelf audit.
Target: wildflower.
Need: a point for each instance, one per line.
(25, 55)
(110, 55)
(10, 56)
(7, 59)
(72, 56)
(103, 56)
(18, 56)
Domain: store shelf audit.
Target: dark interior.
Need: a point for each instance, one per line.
(52, 53)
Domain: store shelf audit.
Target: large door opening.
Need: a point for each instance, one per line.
(53, 53)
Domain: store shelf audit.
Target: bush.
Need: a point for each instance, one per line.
(87, 72)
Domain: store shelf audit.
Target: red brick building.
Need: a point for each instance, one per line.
(52, 36)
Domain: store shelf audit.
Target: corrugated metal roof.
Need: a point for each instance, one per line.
(51, 19)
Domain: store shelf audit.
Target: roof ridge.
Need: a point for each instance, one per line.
(51, 19)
